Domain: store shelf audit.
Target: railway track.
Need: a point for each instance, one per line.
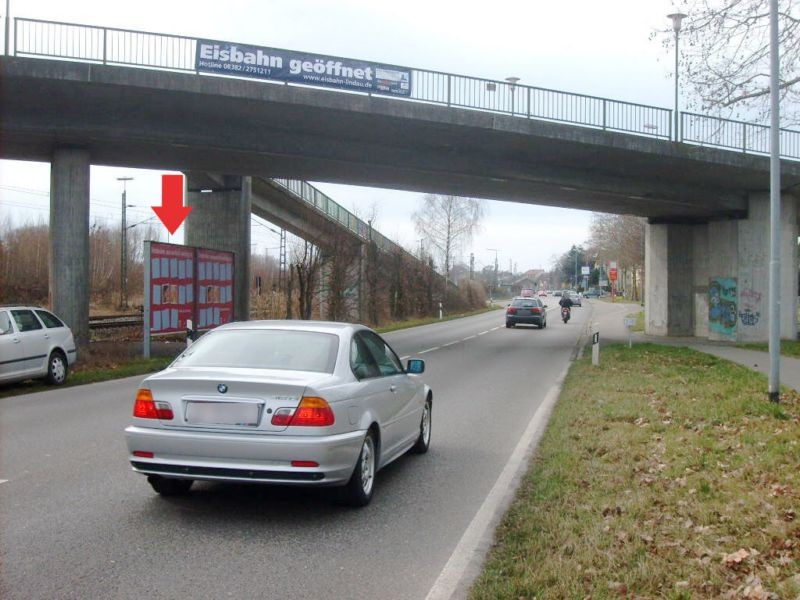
(115, 321)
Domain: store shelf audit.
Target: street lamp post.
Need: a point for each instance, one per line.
(123, 274)
(512, 83)
(676, 27)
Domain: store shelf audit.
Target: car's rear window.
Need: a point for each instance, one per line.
(49, 319)
(264, 349)
(525, 302)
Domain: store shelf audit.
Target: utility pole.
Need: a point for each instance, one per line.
(471, 266)
(123, 271)
(494, 286)
(8, 24)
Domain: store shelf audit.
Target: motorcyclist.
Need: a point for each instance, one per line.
(566, 304)
(566, 301)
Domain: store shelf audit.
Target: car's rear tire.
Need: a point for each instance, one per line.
(168, 486)
(424, 440)
(509, 325)
(56, 368)
(358, 491)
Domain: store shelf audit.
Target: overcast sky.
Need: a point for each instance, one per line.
(600, 48)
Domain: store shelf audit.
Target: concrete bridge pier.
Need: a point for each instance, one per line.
(220, 220)
(69, 239)
(711, 280)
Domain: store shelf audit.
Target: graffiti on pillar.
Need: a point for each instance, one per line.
(722, 298)
(749, 304)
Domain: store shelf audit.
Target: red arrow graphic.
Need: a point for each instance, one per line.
(172, 212)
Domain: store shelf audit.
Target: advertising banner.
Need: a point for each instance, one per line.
(242, 60)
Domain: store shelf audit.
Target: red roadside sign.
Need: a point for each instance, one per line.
(612, 274)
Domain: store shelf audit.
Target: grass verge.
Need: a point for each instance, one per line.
(670, 476)
(788, 347)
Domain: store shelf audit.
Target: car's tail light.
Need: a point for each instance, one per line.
(311, 412)
(146, 408)
(536, 311)
(304, 463)
(511, 310)
(143, 454)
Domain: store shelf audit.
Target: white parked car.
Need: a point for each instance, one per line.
(34, 343)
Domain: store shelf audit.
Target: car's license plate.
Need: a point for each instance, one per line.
(222, 413)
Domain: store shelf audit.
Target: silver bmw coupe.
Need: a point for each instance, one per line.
(282, 402)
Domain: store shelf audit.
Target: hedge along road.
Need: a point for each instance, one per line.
(77, 522)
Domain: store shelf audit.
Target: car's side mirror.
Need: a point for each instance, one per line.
(415, 366)
(545, 305)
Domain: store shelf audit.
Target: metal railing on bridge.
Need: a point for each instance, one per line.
(336, 212)
(106, 45)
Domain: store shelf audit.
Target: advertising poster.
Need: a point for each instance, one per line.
(243, 60)
(214, 288)
(171, 287)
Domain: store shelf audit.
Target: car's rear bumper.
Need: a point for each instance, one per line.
(251, 457)
(535, 320)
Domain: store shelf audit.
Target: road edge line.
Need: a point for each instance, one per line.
(466, 561)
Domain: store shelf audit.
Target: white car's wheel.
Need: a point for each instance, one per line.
(424, 439)
(56, 368)
(358, 491)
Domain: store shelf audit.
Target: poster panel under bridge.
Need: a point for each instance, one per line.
(183, 283)
(259, 62)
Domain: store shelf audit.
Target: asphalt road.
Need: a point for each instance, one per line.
(75, 522)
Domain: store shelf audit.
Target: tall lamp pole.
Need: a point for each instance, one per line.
(123, 270)
(8, 25)
(676, 27)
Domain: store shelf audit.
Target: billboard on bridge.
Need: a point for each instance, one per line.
(182, 283)
(243, 60)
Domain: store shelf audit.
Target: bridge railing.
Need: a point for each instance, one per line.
(335, 211)
(106, 45)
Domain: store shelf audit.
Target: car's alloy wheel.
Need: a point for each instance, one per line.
(358, 491)
(56, 368)
(424, 440)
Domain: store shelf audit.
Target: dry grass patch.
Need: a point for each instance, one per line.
(664, 473)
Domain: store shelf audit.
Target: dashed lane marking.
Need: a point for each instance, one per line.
(430, 349)
(405, 357)
(3, 480)
(449, 344)
(483, 332)
(472, 337)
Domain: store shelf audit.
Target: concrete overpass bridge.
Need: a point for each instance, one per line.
(706, 204)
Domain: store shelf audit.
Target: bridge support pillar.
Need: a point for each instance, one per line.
(711, 280)
(220, 220)
(69, 239)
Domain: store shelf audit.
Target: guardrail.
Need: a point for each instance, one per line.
(106, 45)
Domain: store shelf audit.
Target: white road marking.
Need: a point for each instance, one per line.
(483, 332)
(3, 480)
(495, 328)
(449, 344)
(404, 357)
(467, 558)
(430, 349)
(472, 337)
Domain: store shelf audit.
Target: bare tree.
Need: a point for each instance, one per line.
(725, 55)
(619, 238)
(447, 223)
(305, 265)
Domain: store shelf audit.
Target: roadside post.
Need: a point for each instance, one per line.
(630, 323)
(440, 311)
(596, 344)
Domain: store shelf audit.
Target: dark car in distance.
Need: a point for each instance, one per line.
(527, 311)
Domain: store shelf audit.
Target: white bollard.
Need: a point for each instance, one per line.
(440, 311)
(596, 344)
